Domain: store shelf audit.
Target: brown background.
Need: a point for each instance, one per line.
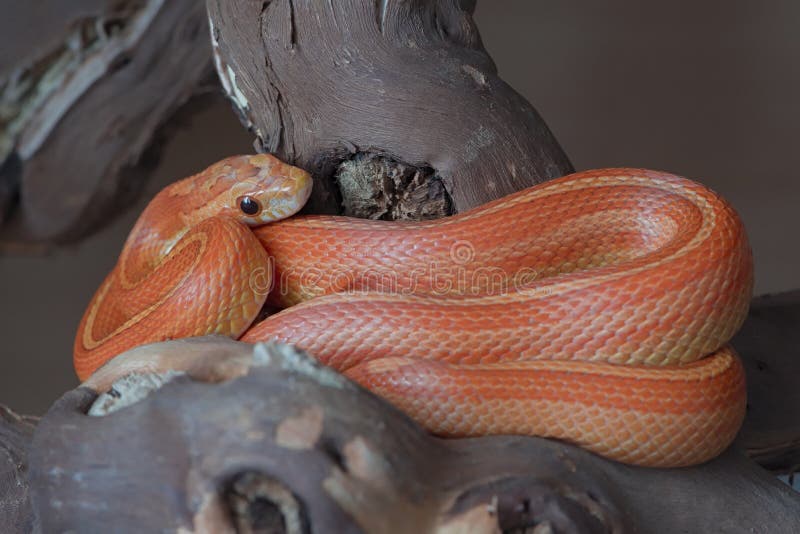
(707, 89)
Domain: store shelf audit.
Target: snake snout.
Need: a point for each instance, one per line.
(286, 194)
(290, 192)
(298, 185)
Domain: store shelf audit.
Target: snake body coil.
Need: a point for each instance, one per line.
(595, 308)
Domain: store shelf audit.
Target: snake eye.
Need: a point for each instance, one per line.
(249, 205)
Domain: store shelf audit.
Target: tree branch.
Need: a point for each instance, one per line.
(16, 432)
(90, 98)
(250, 436)
(769, 343)
(322, 84)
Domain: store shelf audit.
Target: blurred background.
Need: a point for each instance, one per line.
(708, 90)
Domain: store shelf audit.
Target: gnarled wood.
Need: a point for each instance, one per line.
(323, 83)
(84, 90)
(769, 343)
(729, 493)
(245, 435)
(16, 432)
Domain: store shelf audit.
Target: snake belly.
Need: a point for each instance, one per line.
(595, 308)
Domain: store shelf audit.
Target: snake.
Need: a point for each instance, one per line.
(596, 308)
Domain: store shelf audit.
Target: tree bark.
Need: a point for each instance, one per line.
(333, 85)
(769, 343)
(219, 435)
(85, 88)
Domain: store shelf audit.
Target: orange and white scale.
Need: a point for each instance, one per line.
(595, 308)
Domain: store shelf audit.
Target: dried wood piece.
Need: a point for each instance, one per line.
(316, 449)
(80, 107)
(265, 436)
(321, 83)
(728, 493)
(259, 504)
(16, 432)
(769, 343)
(376, 187)
(53, 21)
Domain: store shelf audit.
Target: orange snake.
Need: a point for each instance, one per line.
(595, 308)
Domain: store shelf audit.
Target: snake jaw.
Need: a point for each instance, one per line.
(287, 196)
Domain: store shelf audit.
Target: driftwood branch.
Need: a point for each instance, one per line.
(16, 432)
(730, 494)
(220, 435)
(84, 88)
(769, 343)
(333, 85)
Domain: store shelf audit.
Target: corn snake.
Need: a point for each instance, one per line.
(595, 308)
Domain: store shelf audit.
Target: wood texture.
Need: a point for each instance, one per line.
(321, 83)
(82, 104)
(769, 343)
(16, 432)
(730, 494)
(266, 436)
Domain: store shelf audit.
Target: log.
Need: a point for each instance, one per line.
(728, 494)
(100, 77)
(359, 91)
(86, 87)
(16, 432)
(212, 435)
(769, 343)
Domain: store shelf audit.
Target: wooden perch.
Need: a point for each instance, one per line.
(322, 84)
(417, 122)
(84, 88)
(221, 435)
(769, 343)
(16, 432)
(227, 407)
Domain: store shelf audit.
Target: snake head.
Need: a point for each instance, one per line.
(264, 189)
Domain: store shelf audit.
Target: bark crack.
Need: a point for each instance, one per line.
(381, 10)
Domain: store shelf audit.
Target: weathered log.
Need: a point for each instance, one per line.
(84, 88)
(100, 77)
(769, 343)
(332, 85)
(221, 435)
(16, 432)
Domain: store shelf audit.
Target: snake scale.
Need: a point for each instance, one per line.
(595, 308)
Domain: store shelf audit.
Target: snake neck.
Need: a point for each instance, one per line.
(276, 191)
(165, 220)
